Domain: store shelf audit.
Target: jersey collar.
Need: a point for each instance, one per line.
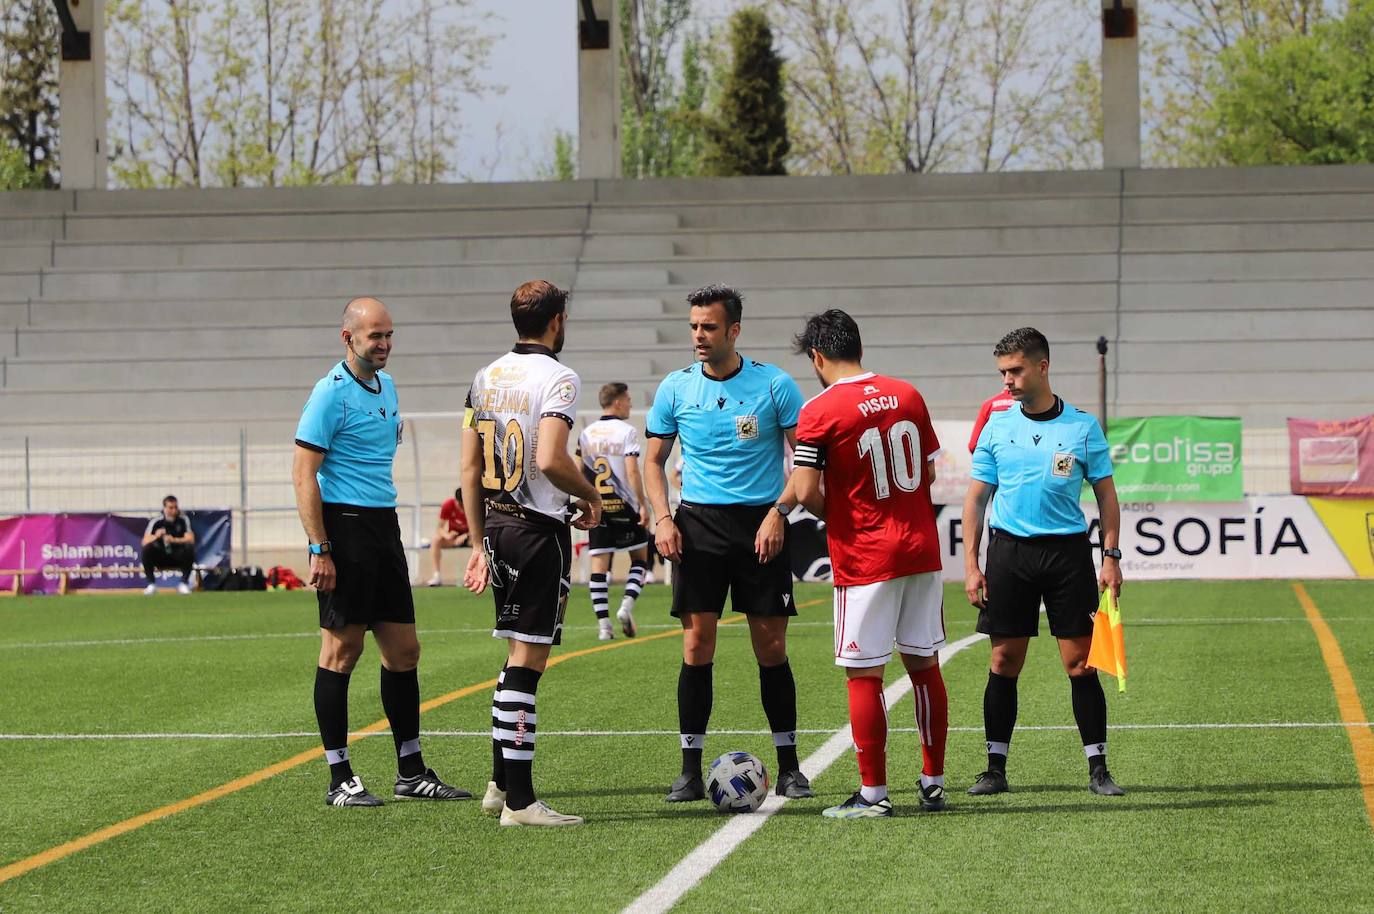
(361, 383)
(604, 418)
(534, 349)
(1054, 412)
(867, 375)
(710, 377)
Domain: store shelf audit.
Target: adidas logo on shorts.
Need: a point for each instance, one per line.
(852, 647)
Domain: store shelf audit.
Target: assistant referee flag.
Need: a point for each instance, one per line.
(1108, 651)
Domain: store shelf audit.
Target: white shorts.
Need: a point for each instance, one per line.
(870, 618)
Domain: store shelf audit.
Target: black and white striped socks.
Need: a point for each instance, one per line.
(634, 584)
(599, 585)
(513, 725)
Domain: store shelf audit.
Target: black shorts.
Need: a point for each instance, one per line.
(1021, 572)
(618, 532)
(373, 582)
(718, 556)
(531, 568)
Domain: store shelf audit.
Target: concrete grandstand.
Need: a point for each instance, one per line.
(1229, 292)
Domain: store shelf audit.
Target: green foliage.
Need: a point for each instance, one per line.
(15, 173)
(29, 41)
(661, 127)
(748, 133)
(1306, 99)
(561, 163)
(1183, 44)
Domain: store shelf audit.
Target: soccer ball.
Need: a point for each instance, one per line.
(737, 782)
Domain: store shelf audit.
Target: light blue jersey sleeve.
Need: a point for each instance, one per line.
(984, 464)
(321, 417)
(662, 421)
(1099, 464)
(788, 397)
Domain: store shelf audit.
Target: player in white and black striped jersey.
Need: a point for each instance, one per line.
(517, 476)
(609, 448)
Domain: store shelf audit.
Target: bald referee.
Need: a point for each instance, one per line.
(345, 444)
(1035, 457)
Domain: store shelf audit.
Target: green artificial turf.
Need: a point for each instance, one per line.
(1214, 819)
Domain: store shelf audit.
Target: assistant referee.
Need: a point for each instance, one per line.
(345, 444)
(1035, 457)
(729, 535)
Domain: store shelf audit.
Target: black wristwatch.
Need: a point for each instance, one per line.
(1112, 554)
(782, 509)
(324, 548)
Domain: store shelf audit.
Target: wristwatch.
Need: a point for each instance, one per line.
(323, 548)
(1112, 554)
(782, 509)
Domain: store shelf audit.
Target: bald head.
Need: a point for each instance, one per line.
(366, 334)
(362, 309)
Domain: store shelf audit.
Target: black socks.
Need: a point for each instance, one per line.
(401, 701)
(331, 711)
(1090, 712)
(778, 690)
(999, 718)
(694, 697)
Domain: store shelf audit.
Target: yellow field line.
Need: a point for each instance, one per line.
(53, 854)
(1347, 698)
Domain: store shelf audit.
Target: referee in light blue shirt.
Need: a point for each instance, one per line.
(732, 415)
(1032, 460)
(345, 443)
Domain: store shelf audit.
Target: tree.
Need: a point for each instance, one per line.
(933, 85)
(1305, 99)
(660, 122)
(29, 45)
(747, 135)
(1182, 44)
(267, 92)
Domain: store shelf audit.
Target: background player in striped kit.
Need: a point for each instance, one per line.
(870, 438)
(609, 448)
(516, 466)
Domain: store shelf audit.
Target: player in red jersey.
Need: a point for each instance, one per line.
(996, 403)
(870, 439)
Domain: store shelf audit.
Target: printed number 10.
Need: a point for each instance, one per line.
(903, 444)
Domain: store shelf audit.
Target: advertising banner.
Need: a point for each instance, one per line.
(1175, 458)
(96, 551)
(1278, 536)
(1332, 458)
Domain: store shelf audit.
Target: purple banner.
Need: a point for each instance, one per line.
(95, 551)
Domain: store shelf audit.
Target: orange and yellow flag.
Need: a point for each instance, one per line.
(1108, 651)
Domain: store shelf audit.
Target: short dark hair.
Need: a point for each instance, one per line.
(1026, 340)
(612, 392)
(533, 305)
(715, 292)
(171, 498)
(833, 334)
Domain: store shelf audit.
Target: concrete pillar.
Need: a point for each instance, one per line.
(81, 104)
(598, 92)
(1120, 85)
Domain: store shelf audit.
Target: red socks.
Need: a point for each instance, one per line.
(932, 718)
(868, 720)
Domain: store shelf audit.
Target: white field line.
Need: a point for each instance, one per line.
(696, 865)
(265, 636)
(613, 734)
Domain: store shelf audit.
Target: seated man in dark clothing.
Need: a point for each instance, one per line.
(169, 543)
